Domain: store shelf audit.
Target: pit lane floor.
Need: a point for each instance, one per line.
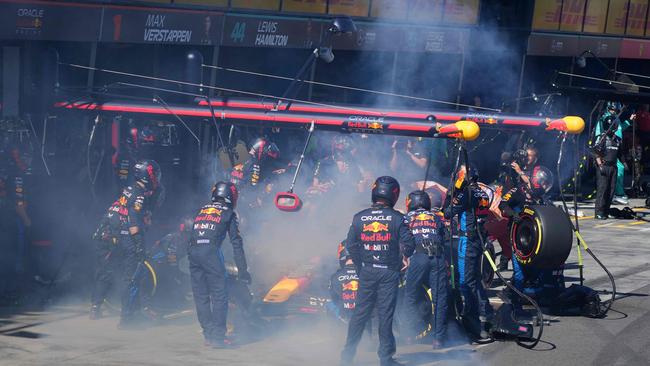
(63, 335)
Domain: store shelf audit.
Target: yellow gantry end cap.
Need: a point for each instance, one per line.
(569, 124)
(574, 124)
(469, 130)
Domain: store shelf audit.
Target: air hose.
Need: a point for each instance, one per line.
(540, 315)
(486, 253)
(581, 242)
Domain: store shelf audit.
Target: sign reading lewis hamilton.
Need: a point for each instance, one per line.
(161, 26)
(257, 31)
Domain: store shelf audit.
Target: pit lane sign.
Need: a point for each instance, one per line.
(260, 31)
(161, 26)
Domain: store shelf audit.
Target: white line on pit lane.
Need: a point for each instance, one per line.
(605, 225)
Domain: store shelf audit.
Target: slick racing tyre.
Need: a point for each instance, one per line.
(424, 313)
(542, 237)
(148, 283)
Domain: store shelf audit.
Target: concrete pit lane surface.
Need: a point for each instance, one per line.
(62, 334)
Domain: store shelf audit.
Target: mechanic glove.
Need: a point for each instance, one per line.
(245, 277)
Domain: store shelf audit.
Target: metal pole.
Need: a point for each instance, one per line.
(575, 181)
(90, 80)
(460, 80)
(91, 72)
(634, 159)
(566, 107)
(521, 81)
(393, 77)
(312, 75)
(213, 72)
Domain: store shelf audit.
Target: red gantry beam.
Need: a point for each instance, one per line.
(571, 124)
(339, 117)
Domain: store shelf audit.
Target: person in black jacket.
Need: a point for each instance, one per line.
(470, 204)
(376, 240)
(605, 151)
(120, 238)
(207, 269)
(344, 285)
(427, 266)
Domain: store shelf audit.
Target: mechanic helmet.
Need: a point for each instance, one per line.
(226, 192)
(386, 189)
(542, 179)
(343, 253)
(614, 106)
(262, 149)
(341, 144)
(610, 123)
(460, 180)
(418, 199)
(148, 173)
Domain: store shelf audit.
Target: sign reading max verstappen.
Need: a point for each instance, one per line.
(161, 26)
(155, 31)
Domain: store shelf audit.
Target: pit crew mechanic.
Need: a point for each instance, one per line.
(344, 285)
(427, 265)
(374, 241)
(515, 178)
(166, 255)
(120, 241)
(532, 191)
(258, 168)
(14, 217)
(207, 268)
(337, 171)
(470, 206)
